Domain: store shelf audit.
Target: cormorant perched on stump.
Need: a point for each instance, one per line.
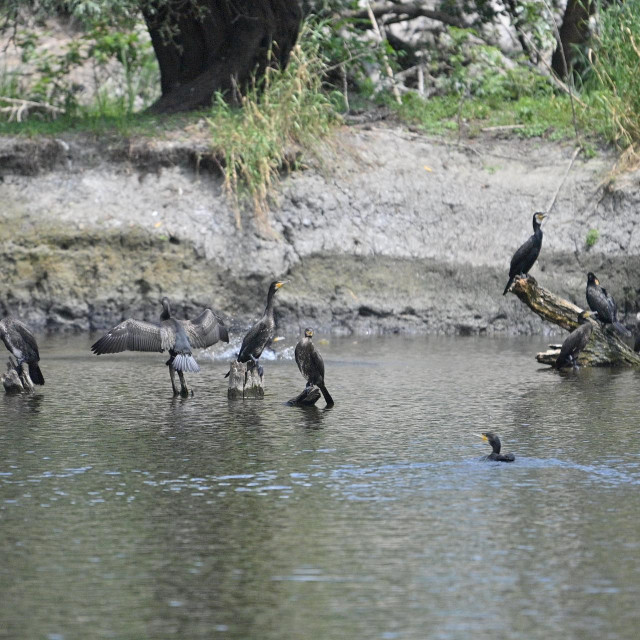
(311, 365)
(262, 333)
(24, 348)
(576, 341)
(525, 257)
(603, 304)
(494, 441)
(177, 337)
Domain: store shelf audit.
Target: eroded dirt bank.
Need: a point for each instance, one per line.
(396, 232)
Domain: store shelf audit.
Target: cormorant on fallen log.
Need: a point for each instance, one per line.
(311, 365)
(262, 333)
(602, 302)
(494, 441)
(177, 337)
(525, 257)
(23, 346)
(576, 341)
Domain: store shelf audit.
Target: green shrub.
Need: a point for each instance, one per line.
(615, 82)
(592, 237)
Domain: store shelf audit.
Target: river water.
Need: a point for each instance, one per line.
(125, 513)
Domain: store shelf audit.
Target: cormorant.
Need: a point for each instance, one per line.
(494, 441)
(524, 258)
(177, 337)
(636, 342)
(311, 365)
(602, 302)
(262, 333)
(23, 346)
(576, 341)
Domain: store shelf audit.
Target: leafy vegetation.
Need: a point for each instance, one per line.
(592, 238)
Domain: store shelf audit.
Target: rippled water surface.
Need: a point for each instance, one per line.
(125, 513)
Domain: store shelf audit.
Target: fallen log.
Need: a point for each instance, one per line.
(245, 381)
(307, 398)
(604, 349)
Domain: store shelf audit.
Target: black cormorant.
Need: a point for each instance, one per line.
(494, 441)
(177, 337)
(262, 332)
(524, 258)
(602, 302)
(576, 341)
(24, 348)
(311, 365)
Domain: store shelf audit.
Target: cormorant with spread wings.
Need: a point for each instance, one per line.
(178, 337)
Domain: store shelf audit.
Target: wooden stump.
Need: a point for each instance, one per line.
(307, 398)
(245, 381)
(604, 349)
(11, 380)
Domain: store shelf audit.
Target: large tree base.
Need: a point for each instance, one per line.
(604, 349)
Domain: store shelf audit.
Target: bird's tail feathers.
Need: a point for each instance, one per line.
(327, 396)
(35, 374)
(185, 362)
(622, 330)
(504, 293)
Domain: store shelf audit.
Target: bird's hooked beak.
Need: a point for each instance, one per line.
(308, 333)
(481, 436)
(281, 283)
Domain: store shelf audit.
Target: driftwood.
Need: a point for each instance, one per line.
(307, 398)
(11, 380)
(604, 349)
(245, 381)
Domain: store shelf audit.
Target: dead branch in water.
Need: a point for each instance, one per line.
(605, 348)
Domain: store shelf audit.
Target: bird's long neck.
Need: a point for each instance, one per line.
(268, 310)
(166, 312)
(537, 230)
(496, 446)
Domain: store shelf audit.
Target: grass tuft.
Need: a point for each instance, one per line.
(286, 113)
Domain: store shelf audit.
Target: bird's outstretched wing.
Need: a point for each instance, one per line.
(205, 330)
(131, 335)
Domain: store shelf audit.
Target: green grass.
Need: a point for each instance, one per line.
(592, 238)
(115, 125)
(548, 116)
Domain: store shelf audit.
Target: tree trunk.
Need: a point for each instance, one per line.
(605, 348)
(245, 381)
(574, 31)
(205, 46)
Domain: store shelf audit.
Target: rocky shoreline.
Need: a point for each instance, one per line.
(394, 232)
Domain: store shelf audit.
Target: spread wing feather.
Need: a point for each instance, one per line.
(133, 335)
(205, 330)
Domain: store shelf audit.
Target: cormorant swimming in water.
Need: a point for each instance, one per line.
(262, 333)
(311, 365)
(602, 302)
(177, 337)
(494, 441)
(576, 341)
(23, 346)
(524, 258)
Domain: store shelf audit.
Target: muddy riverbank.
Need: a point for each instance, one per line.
(395, 232)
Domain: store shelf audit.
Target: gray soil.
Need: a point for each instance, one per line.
(395, 232)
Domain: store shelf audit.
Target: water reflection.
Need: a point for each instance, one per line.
(125, 512)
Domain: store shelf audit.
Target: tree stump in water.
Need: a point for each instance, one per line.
(245, 381)
(604, 349)
(307, 398)
(11, 380)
